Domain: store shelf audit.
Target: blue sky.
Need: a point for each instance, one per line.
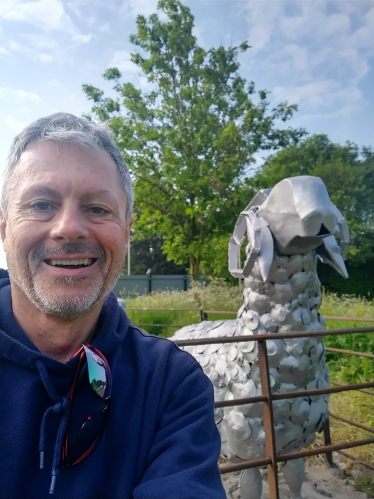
(318, 54)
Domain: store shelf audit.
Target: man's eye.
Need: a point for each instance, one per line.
(42, 206)
(97, 210)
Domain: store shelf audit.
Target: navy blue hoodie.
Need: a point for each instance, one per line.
(159, 442)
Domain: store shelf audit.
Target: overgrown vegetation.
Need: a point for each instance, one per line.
(365, 483)
(217, 295)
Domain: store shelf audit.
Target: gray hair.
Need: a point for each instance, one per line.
(65, 127)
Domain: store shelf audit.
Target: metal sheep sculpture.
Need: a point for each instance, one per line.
(287, 228)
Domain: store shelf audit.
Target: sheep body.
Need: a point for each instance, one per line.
(287, 227)
(288, 301)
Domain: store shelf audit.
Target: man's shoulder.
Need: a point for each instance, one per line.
(4, 274)
(159, 349)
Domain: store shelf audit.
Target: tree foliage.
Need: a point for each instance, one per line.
(190, 138)
(147, 254)
(348, 174)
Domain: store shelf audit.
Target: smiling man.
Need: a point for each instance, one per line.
(126, 415)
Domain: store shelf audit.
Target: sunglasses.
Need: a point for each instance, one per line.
(101, 382)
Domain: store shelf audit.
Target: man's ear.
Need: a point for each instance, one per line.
(3, 226)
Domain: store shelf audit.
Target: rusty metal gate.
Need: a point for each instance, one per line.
(267, 397)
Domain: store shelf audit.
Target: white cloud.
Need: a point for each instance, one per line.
(318, 93)
(121, 60)
(47, 15)
(141, 7)
(259, 160)
(104, 28)
(12, 123)
(363, 37)
(90, 20)
(313, 22)
(314, 93)
(4, 51)
(40, 42)
(196, 31)
(345, 112)
(33, 54)
(309, 40)
(54, 84)
(349, 94)
(18, 96)
(262, 23)
(45, 58)
(292, 58)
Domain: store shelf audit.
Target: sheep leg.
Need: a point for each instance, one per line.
(293, 473)
(250, 484)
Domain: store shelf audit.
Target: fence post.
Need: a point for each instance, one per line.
(327, 439)
(268, 420)
(203, 315)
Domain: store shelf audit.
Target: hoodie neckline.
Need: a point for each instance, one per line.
(112, 329)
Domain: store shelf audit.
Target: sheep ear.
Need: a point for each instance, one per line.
(235, 243)
(330, 253)
(265, 257)
(343, 230)
(260, 245)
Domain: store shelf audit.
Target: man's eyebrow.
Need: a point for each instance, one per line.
(92, 195)
(41, 190)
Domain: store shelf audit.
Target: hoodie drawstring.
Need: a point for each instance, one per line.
(61, 405)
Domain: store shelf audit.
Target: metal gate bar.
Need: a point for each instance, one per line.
(349, 456)
(268, 420)
(324, 449)
(353, 423)
(350, 352)
(368, 392)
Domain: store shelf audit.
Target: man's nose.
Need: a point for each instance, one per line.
(69, 225)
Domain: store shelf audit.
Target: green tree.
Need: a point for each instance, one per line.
(190, 139)
(348, 174)
(147, 254)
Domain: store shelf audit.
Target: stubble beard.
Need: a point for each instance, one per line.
(61, 305)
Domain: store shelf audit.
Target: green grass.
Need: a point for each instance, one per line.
(366, 483)
(349, 368)
(216, 296)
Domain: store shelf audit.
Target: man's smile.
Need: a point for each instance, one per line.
(73, 263)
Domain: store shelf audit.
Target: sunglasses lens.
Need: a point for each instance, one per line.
(96, 372)
(86, 440)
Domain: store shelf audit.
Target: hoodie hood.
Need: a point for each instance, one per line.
(56, 377)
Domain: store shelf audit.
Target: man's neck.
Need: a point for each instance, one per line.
(53, 336)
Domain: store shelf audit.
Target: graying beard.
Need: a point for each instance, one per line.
(48, 305)
(66, 310)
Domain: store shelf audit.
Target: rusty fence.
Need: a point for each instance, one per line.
(272, 457)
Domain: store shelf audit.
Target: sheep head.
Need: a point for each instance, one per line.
(294, 217)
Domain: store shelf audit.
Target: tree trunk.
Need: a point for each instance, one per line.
(194, 267)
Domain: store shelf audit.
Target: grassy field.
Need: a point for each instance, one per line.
(219, 296)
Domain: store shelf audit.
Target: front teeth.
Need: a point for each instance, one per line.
(81, 261)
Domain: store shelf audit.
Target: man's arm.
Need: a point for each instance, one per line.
(182, 463)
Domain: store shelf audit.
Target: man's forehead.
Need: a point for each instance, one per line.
(39, 150)
(47, 156)
(40, 161)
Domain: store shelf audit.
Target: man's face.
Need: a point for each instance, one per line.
(65, 233)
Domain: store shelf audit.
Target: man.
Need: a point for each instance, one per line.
(129, 415)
